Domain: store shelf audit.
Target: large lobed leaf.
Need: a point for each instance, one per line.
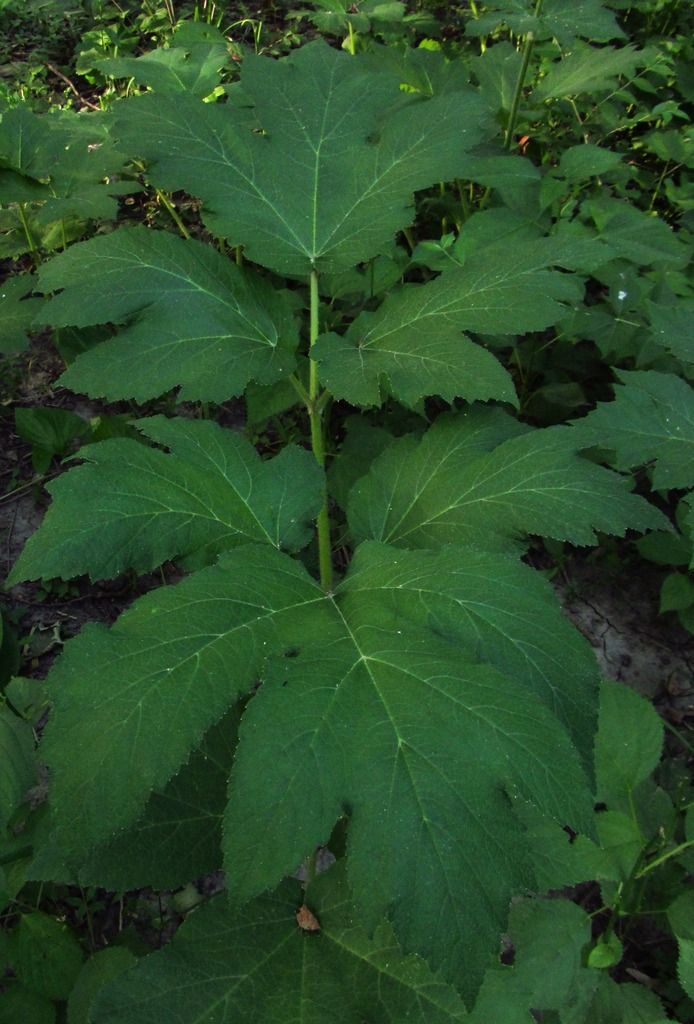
(257, 965)
(413, 342)
(424, 697)
(317, 170)
(192, 318)
(133, 507)
(483, 479)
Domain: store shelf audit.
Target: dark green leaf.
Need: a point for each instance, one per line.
(628, 744)
(20, 1004)
(257, 965)
(100, 970)
(351, 147)
(17, 312)
(45, 955)
(482, 479)
(414, 342)
(17, 767)
(131, 506)
(650, 420)
(192, 318)
(178, 837)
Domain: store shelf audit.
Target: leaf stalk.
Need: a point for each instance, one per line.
(315, 408)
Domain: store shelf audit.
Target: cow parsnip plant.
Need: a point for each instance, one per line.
(430, 700)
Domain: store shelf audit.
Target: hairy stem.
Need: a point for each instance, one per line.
(315, 412)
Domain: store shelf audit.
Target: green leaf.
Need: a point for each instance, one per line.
(131, 506)
(191, 318)
(605, 953)
(342, 717)
(633, 235)
(484, 480)
(20, 1004)
(379, 713)
(17, 767)
(45, 955)
(578, 163)
(363, 443)
(627, 747)
(173, 71)
(414, 343)
(502, 171)
(17, 312)
(671, 327)
(49, 431)
(352, 148)
(650, 420)
(425, 70)
(681, 915)
(548, 938)
(178, 836)
(257, 965)
(567, 19)
(192, 641)
(60, 159)
(497, 71)
(676, 593)
(100, 970)
(589, 69)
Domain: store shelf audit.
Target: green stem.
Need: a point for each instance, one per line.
(315, 412)
(666, 170)
(174, 213)
(352, 44)
(409, 238)
(518, 91)
(300, 390)
(665, 856)
(25, 487)
(27, 230)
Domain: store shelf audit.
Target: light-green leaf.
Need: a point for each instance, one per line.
(191, 318)
(318, 170)
(134, 506)
(172, 71)
(482, 479)
(589, 69)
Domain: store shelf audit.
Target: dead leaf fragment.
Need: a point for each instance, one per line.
(307, 921)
